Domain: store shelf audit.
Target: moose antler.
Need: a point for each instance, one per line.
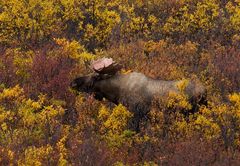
(105, 66)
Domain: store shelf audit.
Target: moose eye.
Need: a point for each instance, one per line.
(73, 85)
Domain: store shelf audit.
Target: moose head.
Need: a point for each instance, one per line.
(103, 69)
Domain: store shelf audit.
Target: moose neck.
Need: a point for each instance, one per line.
(108, 88)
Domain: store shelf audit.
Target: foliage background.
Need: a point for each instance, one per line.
(44, 44)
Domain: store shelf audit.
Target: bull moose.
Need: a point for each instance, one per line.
(134, 90)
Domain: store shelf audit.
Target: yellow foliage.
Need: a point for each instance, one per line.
(12, 93)
(114, 124)
(178, 128)
(27, 20)
(62, 151)
(35, 156)
(123, 71)
(118, 119)
(179, 101)
(221, 121)
(235, 98)
(23, 119)
(22, 62)
(190, 18)
(234, 11)
(73, 49)
(181, 85)
(207, 127)
(104, 113)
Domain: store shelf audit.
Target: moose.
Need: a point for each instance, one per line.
(134, 90)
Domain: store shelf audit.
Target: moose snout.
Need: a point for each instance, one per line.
(73, 85)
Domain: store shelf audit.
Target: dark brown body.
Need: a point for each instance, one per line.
(136, 91)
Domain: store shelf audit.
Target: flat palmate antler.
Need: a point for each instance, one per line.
(105, 66)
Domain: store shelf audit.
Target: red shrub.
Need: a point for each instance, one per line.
(50, 75)
(8, 76)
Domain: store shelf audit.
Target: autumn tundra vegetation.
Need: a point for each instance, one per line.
(46, 44)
